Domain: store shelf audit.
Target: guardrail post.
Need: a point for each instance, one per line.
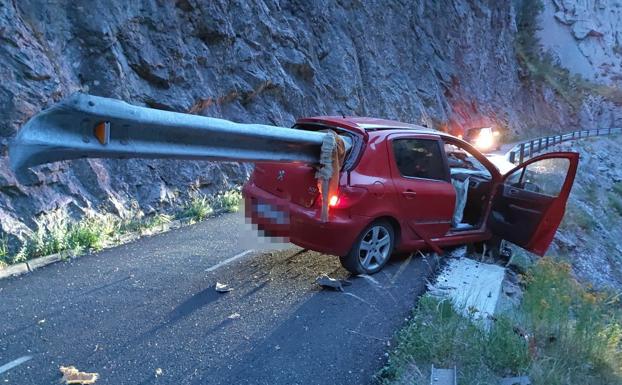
(512, 156)
(597, 131)
(573, 134)
(531, 149)
(579, 134)
(561, 138)
(539, 144)
(546, 144)
(521, 157)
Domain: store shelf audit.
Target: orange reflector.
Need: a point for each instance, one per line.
(333, 200)
(102, 132)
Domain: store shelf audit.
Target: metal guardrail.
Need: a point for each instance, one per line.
(529, 148)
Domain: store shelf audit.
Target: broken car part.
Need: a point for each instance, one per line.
(86, 126)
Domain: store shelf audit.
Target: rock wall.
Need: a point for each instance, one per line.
(271, 61)
(585, 36)
(590, 235)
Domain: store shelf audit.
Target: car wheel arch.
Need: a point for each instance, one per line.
(395, 224)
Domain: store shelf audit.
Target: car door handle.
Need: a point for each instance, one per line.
(513, 191)
(409, 194)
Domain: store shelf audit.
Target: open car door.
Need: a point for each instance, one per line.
(530, 202)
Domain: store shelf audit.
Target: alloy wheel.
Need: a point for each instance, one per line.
(374, 248)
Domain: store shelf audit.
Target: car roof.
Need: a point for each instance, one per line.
(364, 124)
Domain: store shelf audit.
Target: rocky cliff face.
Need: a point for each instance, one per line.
(585, 36)
(266, 61)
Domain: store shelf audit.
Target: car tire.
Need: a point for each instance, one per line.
(371, 250)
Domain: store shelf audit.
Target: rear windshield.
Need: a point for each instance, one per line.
(357, 141)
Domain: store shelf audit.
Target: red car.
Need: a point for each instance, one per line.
(404, 187)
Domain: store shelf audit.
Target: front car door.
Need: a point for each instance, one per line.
(530, 202)
(421, 179)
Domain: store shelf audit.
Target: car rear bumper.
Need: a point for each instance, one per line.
(302, 226)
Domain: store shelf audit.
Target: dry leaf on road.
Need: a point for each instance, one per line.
(71, 375)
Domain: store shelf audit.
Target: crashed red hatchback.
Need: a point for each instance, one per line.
(404, 187)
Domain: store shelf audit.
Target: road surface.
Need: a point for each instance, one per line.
(147, 313)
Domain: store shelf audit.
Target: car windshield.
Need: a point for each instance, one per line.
(462, 162)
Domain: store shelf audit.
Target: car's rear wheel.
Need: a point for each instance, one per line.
(372, 249)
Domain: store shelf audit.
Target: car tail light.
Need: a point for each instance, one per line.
(347, 197)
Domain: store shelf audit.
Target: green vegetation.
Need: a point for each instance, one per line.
(228, 201)
(542, 68)
(438, 335)
(58, 234)
(576, 331)
(569, 334)
(197, 209)
(4, 252)
(200, 206)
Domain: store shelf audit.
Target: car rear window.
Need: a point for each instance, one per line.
(357, 141)
(419, 158)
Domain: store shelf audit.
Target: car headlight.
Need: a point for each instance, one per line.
(485, 140)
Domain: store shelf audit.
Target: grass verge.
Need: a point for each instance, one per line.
(96, 231)
(562, 333)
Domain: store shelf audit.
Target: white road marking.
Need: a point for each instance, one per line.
(402, 268)
(364, 301)
(14, 363)
(370, 279)
(228, 261)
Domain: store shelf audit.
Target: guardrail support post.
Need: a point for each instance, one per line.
(539, 144)
(531, 149)
(521, 157)
(512, 157)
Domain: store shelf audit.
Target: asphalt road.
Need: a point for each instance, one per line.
(147, 313)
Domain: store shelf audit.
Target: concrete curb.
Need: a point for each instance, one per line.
(43, 261)
(14, 270)
(36, 263)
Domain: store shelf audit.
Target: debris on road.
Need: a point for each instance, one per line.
(234, 316)
(71, 375)
(336, 284)
(222, 288)
(474, 288)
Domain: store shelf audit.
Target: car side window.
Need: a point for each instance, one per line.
(419, 158)
(546, 176)
(461, 161)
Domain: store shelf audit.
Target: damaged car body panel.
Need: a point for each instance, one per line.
(415, 188)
